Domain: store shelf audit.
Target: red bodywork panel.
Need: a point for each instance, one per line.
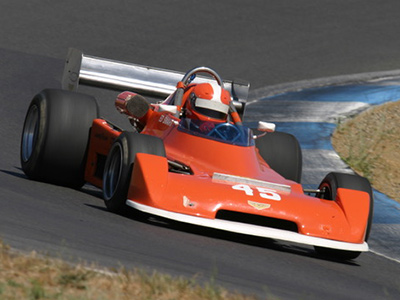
(102, 136)
(206, 192)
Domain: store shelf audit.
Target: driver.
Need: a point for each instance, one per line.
(205, 105)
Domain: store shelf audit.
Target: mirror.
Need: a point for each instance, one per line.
(266, 127)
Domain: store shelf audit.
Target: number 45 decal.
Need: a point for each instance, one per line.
(263, 192)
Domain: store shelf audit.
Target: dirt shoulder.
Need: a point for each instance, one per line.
(370, 145)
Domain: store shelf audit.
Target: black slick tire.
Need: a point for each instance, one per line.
(119, 165)
(55, 137)
(329, 186)
(282, 152)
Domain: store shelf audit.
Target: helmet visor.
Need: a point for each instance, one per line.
(211, 108)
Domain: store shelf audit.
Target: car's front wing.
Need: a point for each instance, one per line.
(250, 229)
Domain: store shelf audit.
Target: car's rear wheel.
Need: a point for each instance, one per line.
(328, 187)
(282, 152)
(119, 165)
(55, 137)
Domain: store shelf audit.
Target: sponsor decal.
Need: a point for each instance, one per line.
(101, 136)
(188, 203)
(259, 206)
(165, 119)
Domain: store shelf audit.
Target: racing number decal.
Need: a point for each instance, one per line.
(243, 187)
(269, 194)
(263, 192)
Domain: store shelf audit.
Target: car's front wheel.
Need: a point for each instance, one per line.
(328, 187)
(119, 165)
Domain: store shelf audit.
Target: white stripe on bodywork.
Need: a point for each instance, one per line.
(250, 181)
(250, 229)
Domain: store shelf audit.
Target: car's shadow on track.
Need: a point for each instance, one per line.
(243, 239)
(15, 174)
(254, 241)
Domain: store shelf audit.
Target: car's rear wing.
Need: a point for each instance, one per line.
(112, 74)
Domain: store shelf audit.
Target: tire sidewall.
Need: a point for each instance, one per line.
(129, 143)
(115, 200)
(60, 148)
(31, 165)
(334, 180)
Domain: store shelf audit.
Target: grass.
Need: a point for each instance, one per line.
(370, 145)
(34, 277)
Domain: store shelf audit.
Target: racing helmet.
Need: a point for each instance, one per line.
(207, 102)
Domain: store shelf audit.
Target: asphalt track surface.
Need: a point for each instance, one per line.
(265, 42)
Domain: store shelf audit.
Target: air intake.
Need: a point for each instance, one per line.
(257, 220)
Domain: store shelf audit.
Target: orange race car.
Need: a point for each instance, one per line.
(189, 158)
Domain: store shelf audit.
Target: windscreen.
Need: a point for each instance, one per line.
(224, 132)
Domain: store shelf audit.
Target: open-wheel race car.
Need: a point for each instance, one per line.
(189, 158)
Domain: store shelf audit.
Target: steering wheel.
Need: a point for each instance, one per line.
(225, 131)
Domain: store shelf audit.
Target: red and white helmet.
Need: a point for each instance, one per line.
(207, 102)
